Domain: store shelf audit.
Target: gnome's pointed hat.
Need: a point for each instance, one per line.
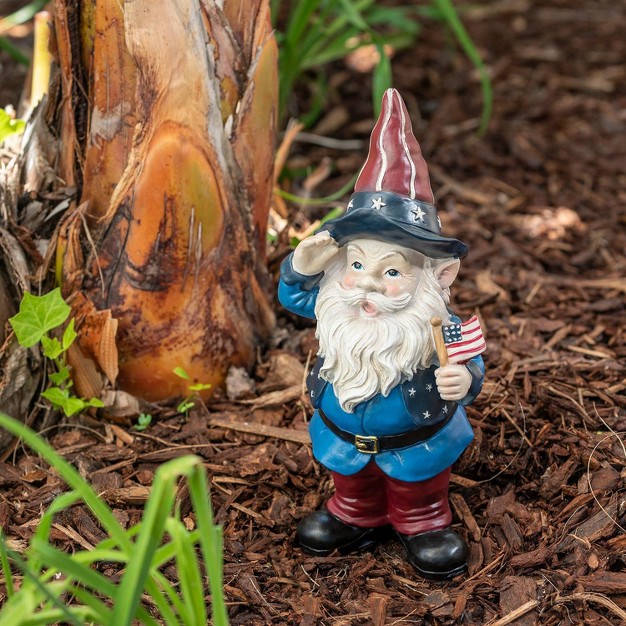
(393, 200)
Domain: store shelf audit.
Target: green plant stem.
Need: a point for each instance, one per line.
(349, 186)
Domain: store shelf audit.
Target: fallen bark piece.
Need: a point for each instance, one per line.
(463, 511)
(604, 582)
(126, 495)
(286, 434)
(600, 525)
(518, 593)
(378, 607)
(555, 480)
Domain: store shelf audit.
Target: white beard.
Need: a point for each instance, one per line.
(364, 356)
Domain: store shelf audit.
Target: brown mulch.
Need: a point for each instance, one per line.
(540, 493)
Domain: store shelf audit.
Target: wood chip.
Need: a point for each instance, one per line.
(286, 434)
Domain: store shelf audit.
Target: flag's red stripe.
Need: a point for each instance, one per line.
(473, 350)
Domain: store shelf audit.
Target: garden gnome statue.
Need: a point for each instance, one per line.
(389, 418)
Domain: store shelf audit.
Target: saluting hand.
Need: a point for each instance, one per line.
(314, 254)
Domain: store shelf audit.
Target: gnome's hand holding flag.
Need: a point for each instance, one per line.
(389, 417)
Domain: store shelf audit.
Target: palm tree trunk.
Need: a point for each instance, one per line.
(166, 115)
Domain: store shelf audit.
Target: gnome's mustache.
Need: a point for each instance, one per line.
(384, 304)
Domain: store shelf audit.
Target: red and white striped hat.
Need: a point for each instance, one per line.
(393, 199)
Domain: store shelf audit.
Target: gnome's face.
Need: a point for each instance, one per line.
(373, 312)
(386, 275)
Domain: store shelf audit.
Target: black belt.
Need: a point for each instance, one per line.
(368, 444)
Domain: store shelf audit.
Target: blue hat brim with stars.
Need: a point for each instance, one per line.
(391, 217)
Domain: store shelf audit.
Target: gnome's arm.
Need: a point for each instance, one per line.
(301, 272)
(298, 292)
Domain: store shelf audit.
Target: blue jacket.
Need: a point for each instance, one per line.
(412, 404)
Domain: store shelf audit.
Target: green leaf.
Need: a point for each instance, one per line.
(58, 378)
(184, 406)
(181, 373)
(143, 421)
(199, 387)
(73, 405)
(9, 126)
(56, 395)
(69, 335)
(52, 348)
(381, 79)
(70, 405)
(38, 315)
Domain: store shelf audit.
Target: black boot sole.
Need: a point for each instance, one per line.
(439, 575)
(370, 539)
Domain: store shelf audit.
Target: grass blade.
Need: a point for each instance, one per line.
(6, 568)
(189, 574)
(13, 613)
(102, 512)
(210, 543)
(153, 525)
(451, 17)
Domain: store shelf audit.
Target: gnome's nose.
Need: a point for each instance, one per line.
(369, 283)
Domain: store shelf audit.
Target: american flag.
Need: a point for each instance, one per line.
(464, 341)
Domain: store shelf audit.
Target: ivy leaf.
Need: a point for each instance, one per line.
(74, 405)
(58, 378)
(69, 335)
(52, 348)
(9, 126)
(56, 396)
(38, 315)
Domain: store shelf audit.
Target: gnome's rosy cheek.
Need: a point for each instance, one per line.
(349, 280)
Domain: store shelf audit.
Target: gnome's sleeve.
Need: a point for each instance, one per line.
(298, 292)
(476, 369)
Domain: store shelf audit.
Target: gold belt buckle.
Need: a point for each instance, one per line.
(366, 444)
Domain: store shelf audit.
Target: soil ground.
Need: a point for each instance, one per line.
(540, 493)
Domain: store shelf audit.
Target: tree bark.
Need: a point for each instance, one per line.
(166, 115)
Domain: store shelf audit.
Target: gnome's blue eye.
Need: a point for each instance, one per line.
(357, 266)
(393, 273)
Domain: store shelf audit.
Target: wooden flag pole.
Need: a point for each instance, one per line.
(440, 344)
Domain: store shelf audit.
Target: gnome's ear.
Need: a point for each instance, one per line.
(446, 272)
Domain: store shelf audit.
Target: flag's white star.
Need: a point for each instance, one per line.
(429, 387)
(412, 391)
(312, 394)
(438, 221)
(350, 204)
(426, 415)
(445, 409)
(377, 203)
(418, 214)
